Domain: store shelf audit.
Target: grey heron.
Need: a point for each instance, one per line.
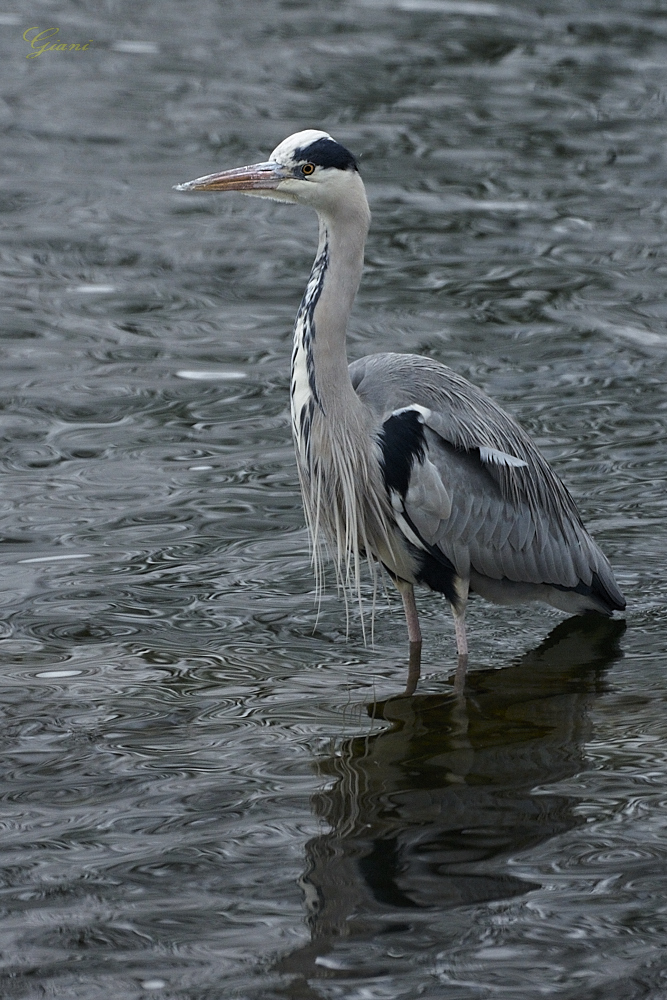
(400, 459)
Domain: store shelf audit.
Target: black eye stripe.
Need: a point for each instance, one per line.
(326, 153)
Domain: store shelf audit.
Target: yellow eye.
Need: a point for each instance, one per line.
(308, 169)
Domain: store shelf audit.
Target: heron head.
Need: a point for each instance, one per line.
(308, 167)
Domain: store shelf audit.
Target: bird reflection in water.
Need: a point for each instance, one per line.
(422, 814)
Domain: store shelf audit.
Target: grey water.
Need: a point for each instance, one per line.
(207, 788)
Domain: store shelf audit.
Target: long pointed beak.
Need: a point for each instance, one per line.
(256, 177)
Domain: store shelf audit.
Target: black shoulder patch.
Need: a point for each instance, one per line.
(327, 153)
(401, 440)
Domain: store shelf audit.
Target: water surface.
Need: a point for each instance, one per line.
(209, 790)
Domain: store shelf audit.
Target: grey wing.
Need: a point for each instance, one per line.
(499, 535)
(477, 490)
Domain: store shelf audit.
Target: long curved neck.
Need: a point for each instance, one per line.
(337, 455)
(320, 376)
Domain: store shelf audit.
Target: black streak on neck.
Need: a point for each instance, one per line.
(306, 316)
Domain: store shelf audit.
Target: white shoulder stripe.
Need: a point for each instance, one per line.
(423, 411)
(492, 455)
(401, 522)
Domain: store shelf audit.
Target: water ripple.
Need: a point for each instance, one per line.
(210, 785)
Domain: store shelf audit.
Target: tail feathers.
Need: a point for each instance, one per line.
(606, 591)
(602, 592)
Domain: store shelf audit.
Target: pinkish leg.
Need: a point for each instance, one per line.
(407, 592)
(460, 616)
(411, 616)
(414, 668)
(460, 632)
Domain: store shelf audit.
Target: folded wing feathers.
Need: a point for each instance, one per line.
(427, 502)
(484, 494)
(490, 514)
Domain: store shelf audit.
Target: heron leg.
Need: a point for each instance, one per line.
(459, 612)
(414, 668)
(460, 631)
(407, 592)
